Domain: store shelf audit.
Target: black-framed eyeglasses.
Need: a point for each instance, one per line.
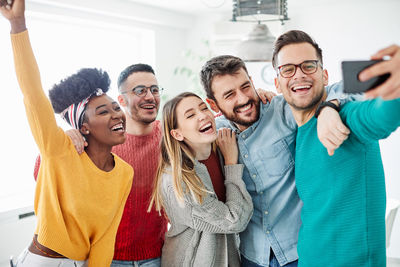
(141, 90)
(307, 67)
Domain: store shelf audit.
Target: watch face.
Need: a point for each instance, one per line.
(268, 75)
(262, 74)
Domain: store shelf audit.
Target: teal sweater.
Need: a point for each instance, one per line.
(343, 217)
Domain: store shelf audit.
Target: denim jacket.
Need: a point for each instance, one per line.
(267, 149)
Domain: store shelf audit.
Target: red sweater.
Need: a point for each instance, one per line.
(140, 234)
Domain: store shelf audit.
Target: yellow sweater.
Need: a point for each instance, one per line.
(78, 206)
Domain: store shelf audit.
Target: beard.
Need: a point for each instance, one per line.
(136, 114)
(312, 104)
(234, 117)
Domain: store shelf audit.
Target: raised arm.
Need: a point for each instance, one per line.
(47, 135)
(374, 119)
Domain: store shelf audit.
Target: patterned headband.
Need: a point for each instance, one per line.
(74, 113)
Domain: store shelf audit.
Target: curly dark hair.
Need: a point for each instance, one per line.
(77, 87)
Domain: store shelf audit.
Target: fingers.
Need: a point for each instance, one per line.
(226, 134)
(77, 139)
(388, 51)
(375, 70)
(262, 95)
(388, 90)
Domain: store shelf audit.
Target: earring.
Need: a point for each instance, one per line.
(87, 131)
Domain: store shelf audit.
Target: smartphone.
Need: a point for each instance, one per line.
(351, 70)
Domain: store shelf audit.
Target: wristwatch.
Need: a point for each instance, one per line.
(325, 104)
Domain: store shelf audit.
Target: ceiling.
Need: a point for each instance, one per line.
(190, 6)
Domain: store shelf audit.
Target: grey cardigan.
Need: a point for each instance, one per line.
(206, 235)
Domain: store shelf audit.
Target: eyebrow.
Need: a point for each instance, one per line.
(191, 109)
(230, 90)
(104, 105)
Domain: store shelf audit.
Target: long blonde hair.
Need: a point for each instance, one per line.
(180, 157)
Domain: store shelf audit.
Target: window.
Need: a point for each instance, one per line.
(62, 45)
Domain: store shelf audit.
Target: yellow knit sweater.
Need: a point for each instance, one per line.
(78, 206)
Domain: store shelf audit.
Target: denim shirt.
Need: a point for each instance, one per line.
(267, 149)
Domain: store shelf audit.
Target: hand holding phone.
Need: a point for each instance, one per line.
(351, 82)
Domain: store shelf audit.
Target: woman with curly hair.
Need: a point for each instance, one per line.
(79, 199)
(206, 205)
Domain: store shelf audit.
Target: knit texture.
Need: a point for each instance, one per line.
(343, 217)
(205, 235)
(78, 206)
(140, 234)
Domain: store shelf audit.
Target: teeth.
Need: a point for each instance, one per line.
(118, 126)
(148, 106)
(301, 87)
(205, 126)
(245, 108)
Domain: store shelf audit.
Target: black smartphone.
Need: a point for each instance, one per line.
(351, 70)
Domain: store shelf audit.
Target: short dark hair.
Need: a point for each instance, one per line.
(220, 65)
(77, 87)
(132, 69)
(294, 37)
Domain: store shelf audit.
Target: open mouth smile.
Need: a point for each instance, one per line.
(206, 128)
(244, 108)
(119, 127)
(302, 89)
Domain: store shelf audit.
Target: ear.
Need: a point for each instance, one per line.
(277, 85)
(213, 105)
(122, 101)
(325, 77)
(176, 133)
(84, 130)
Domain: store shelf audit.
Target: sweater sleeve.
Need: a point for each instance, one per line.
(372, 120)
(212, 215)
(48, 136)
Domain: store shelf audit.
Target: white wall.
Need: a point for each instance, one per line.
(355, 30)
(345, 30)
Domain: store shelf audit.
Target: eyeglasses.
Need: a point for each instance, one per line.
(307, 67)
(141, 90)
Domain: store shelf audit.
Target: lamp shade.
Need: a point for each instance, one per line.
(258, 45)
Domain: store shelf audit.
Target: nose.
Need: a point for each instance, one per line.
(241, 98)
(202, 116)
(117, 114)
(148, 94)
(299, 74)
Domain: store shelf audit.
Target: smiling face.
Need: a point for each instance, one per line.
(104, 121)
(302, 91)
(236, 98)
(141, 109)
(196, 124)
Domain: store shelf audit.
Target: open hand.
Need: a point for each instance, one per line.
(77, 139)
(265, 96)
(226, 141)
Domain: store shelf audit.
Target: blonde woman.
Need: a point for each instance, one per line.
(207, 205)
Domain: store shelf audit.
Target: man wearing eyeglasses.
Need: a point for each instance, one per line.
(266, 140)
(140, 235)
(343, 214)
